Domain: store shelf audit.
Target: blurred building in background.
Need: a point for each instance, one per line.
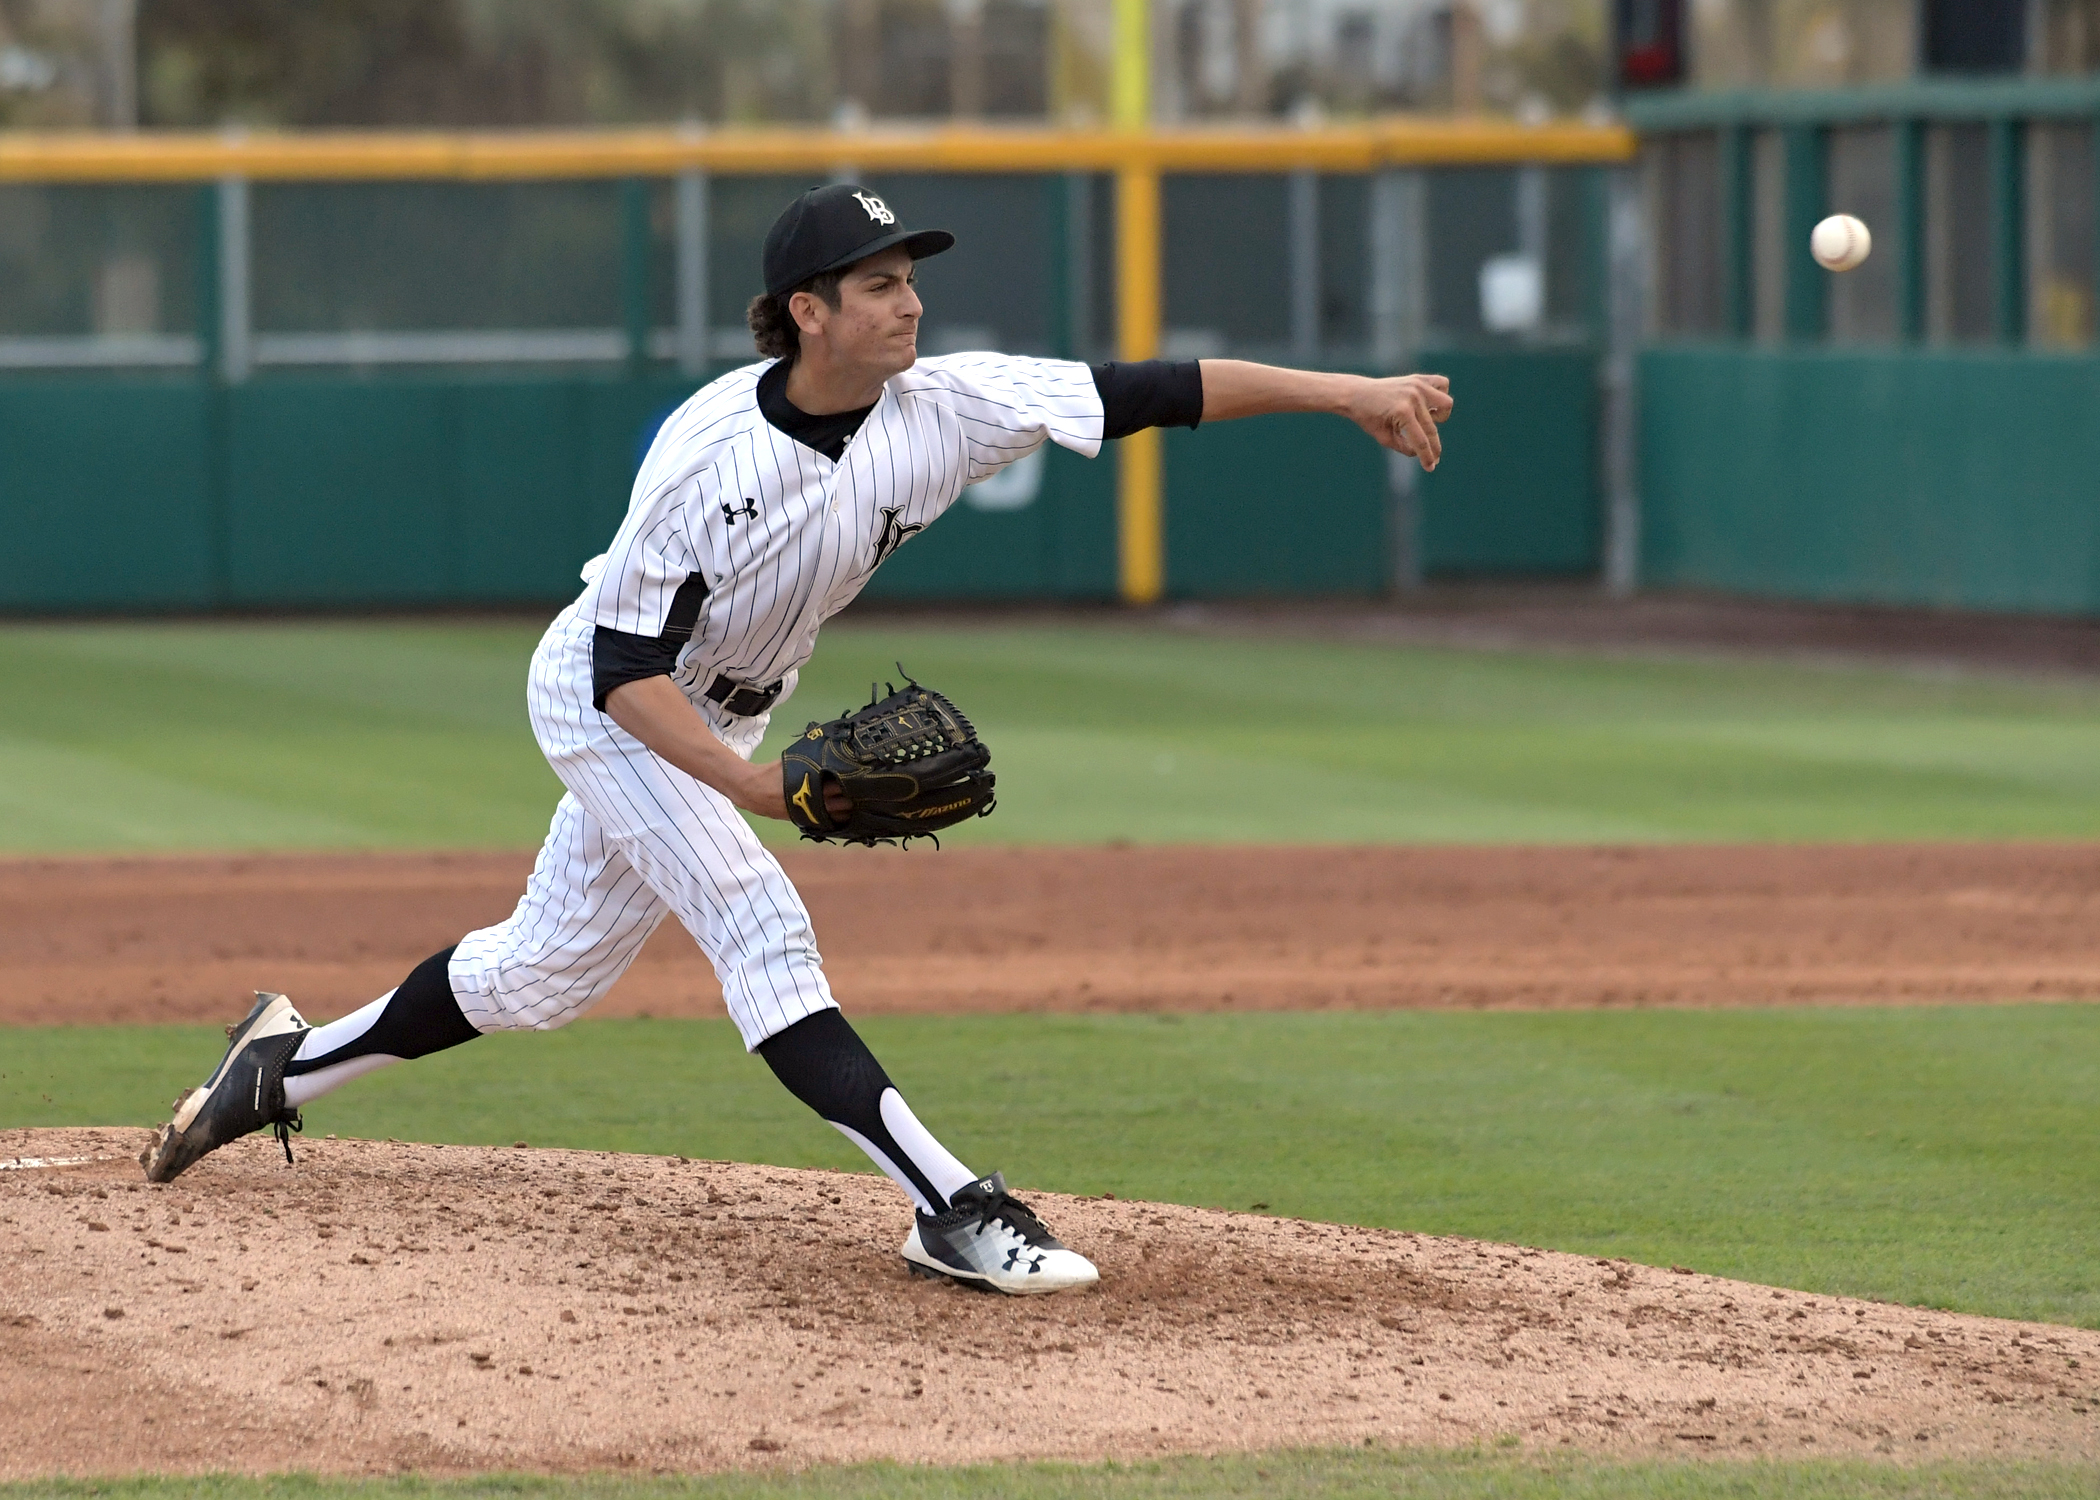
(207, 63)
(210, 63)
(1832, 43)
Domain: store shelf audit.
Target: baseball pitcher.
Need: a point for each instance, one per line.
(763, 507)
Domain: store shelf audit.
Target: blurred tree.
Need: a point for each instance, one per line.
(481, 62)
(50, 78)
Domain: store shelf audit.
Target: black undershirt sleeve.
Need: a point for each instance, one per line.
(618, 656)
(1148, 393)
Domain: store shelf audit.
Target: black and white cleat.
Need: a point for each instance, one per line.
(990, 1240)
(244, 1095)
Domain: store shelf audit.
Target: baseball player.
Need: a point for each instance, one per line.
(763, 507)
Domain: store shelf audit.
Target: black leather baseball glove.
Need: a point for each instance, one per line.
(909, 763)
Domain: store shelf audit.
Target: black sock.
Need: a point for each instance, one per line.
(419, 1018)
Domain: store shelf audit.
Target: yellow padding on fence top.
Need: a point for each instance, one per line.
(350, 155)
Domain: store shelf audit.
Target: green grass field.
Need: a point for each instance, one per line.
(1932, 1156)
(310, 736)
(1351, 1474)
(1935, 1156)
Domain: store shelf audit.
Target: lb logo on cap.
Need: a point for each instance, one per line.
(831, 227)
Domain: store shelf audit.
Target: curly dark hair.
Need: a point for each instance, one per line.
(773, 326)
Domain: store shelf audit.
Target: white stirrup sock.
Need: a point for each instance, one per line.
(302, 1089)
(916, 1141)
(323, 1040)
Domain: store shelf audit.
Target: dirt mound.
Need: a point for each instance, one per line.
(454, 1308)
(1121, 929)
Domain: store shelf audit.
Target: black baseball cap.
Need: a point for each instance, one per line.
(829, 228)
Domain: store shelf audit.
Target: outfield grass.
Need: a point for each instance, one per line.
(1328, 1474)
(331, 735)
(1937, 1156)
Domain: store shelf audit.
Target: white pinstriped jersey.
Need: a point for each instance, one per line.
(783, 537)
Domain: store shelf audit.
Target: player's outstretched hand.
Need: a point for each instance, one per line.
(1402, 411)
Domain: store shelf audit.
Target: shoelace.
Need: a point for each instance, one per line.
(1015, 1214)
(283, 1126)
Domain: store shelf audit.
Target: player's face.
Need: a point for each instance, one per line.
(877, 322)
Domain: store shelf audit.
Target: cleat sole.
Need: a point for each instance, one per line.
(933, 1273)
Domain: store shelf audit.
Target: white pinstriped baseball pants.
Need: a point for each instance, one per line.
(633, 841)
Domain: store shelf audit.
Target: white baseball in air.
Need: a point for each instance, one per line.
(1840, 243)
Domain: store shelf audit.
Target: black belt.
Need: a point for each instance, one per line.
(741, 699)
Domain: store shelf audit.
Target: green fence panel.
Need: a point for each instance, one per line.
(413, 489)
(518, 489)
(1045, 528)
(360, 490)
(619, 417)
(1957, 479)
(1517, 491)
(342, 492)
(1278, 505)
(106, 495)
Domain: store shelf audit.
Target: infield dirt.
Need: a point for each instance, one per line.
(141, 940)
(451, 1308)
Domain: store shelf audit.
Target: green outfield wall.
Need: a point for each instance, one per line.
(1966, 480)
(418, 490)
(1518, 492)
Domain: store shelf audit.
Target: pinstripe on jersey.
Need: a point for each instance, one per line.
(636, 839)
(784, 537)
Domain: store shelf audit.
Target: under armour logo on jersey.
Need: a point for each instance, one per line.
(749, 511)
(894, 532)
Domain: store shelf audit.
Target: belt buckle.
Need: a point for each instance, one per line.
(746, 701)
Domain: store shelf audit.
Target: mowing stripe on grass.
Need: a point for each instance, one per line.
(413, 735)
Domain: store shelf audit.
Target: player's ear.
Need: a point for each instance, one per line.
(808, 310)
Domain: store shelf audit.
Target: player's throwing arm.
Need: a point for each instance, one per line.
(1401, 412)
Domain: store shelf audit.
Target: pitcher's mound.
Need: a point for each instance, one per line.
(384, 1305)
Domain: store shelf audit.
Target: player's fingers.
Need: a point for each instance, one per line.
(1429, 444)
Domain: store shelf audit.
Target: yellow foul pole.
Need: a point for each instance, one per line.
(1140, 497)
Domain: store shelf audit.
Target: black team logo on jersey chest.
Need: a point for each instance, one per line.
(894, 532)
(749, 511)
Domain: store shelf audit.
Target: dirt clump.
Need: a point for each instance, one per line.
(102, 941)
(449, 1309)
